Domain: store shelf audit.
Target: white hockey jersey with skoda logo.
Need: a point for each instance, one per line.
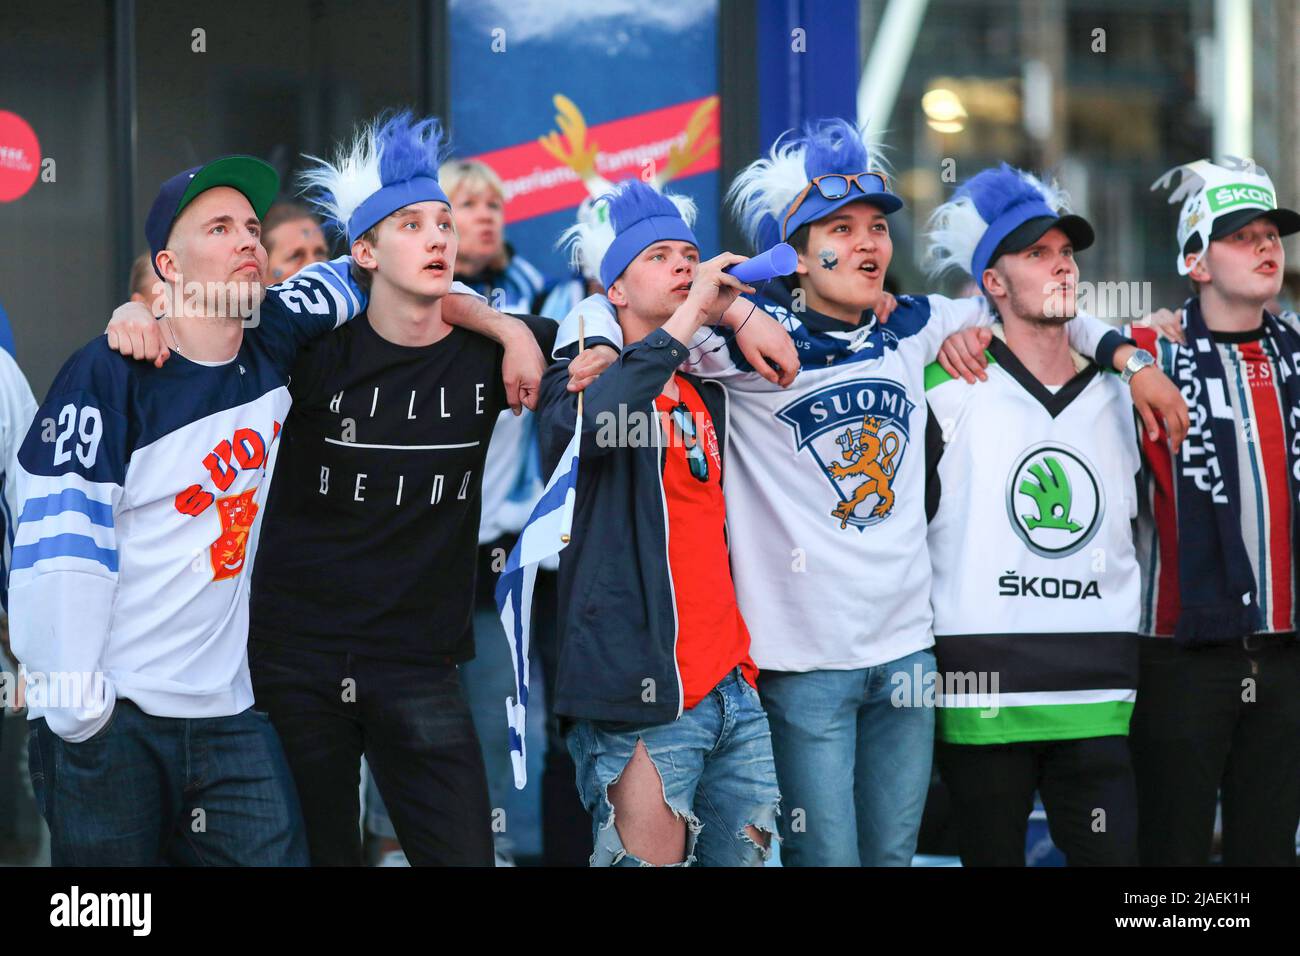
(1036, 586)
(825, 480)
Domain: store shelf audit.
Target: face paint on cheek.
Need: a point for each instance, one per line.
(828, 258)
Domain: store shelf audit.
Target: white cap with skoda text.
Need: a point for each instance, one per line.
(1209, 192)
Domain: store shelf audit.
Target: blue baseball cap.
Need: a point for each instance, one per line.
(257, 180)
(1015, 212)
(813, 204)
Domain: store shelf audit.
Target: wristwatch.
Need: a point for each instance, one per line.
(1136, 363)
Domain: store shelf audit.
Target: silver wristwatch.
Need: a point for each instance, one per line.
(1136, 363)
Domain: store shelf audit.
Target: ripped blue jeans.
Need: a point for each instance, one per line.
(718, 775)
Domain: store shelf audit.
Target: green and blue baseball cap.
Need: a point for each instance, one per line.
(256, 179)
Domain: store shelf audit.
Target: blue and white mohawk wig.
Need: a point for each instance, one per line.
(613, 230)
(771, 197)
(965, 232)
(587, 239)
(390, 163)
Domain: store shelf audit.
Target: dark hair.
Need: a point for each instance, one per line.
(286, 210)
(799, 238)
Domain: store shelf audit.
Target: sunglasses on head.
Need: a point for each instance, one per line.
(831, 186)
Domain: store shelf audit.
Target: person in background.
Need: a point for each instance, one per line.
(143, 284)
(293, 238)
(17, 407)
(487, 262)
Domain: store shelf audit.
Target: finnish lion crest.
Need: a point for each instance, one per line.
(870, 456)
(857, 431)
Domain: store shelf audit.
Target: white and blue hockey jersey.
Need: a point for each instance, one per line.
(137, 487)
(825, 483)
(17, 406)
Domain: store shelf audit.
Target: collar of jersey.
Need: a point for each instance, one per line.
(821, 340)
(1053, 402)
(818, 322)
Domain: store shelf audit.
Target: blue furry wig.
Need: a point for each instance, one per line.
(964, 231)
(764, 192)
(389, 164)
(638, 215)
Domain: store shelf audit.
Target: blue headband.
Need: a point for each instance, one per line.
(1001, 227)
(629, 243)
(816, 206)
(391, 198)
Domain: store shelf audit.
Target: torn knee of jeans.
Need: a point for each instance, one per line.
(764, 823)
(609, 849)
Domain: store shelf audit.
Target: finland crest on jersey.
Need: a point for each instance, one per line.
(857, 431)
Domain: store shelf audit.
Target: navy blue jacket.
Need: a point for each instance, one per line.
(617, 610)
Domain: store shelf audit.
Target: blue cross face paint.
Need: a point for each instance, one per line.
(828, 258)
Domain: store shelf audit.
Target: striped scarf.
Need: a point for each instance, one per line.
(1216, 584)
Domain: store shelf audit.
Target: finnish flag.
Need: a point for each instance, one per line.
(546, 533)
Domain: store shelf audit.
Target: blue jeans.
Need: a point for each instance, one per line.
(148, 791)
(854, 767)
(715, 762)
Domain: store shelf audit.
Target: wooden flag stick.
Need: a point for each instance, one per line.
(582, 344)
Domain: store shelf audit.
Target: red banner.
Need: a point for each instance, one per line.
(537, 183)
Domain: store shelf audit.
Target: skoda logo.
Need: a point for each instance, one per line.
(1054, 500)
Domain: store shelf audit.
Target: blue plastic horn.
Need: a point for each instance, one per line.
(780, 260)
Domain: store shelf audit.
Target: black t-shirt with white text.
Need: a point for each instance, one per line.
(371, 524)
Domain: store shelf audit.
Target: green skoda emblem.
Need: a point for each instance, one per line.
(1054, 500)
(1240, 194)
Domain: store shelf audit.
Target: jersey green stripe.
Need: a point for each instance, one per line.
(936, 375)
(964, 725)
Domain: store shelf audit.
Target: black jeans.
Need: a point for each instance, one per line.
(414, 726)
(1087, 790)
(1210, 720)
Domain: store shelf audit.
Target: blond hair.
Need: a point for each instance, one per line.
(469, 174)
(142, 276)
